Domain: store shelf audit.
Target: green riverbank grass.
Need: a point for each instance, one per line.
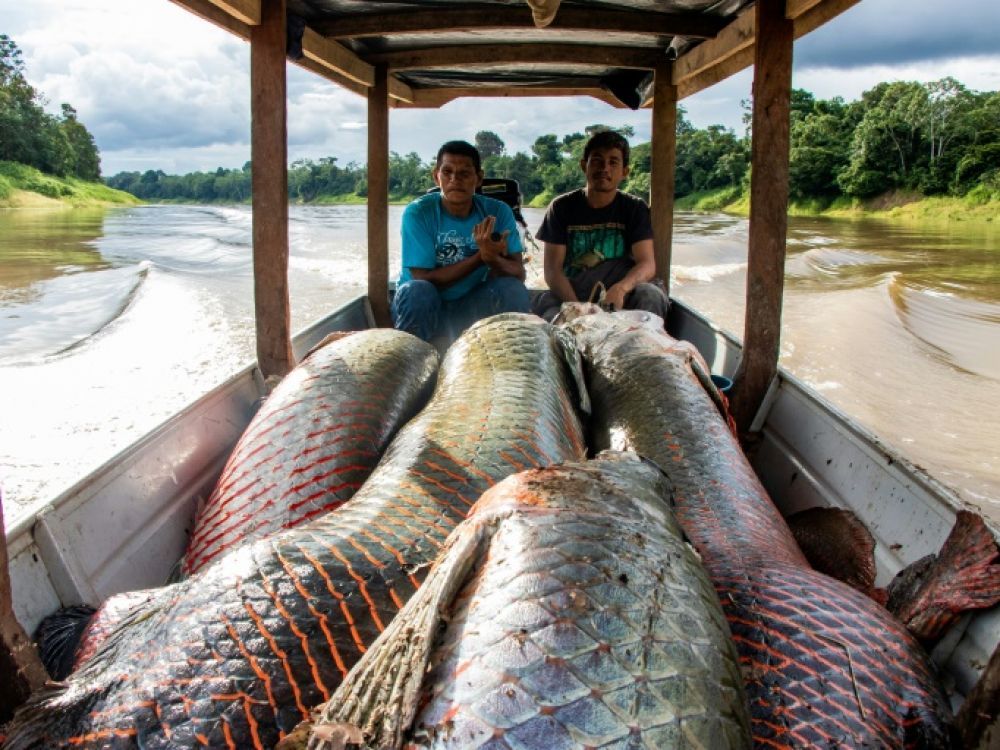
(22, 186)
(981, 204)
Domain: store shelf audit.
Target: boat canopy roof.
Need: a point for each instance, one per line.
(439, 50)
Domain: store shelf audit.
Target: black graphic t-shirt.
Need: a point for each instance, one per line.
(594, 235)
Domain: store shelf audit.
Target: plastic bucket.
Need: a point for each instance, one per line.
(723, 383)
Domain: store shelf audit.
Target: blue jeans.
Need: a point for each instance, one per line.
(418, 308)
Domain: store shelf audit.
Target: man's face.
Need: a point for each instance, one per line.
(605, 169)
(458, 179)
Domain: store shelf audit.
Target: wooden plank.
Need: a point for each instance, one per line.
(269, 182)
(212, 13)
(378, 197)
(247, 11)
(438, 97)
(337, 57)
(795, 8)
(736, 36)
(710, 76)
(477, 18)
(20, 665)
(809, 18)
(489, 55)
(733, 50)
(664, 158)
(399, 92)
(768, 210)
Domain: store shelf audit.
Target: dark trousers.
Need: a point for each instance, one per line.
(650, 297)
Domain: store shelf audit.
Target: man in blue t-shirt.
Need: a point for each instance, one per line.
(599, 237)
(461, 253)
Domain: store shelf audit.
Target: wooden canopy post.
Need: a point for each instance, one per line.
(269, 179)
(664, 159)
(19, 663)
(378, 196)
(772, 87)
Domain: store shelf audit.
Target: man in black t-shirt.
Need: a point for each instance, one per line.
(599, 234)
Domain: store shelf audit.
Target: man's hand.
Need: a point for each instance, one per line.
(614, 297)
(490, 249)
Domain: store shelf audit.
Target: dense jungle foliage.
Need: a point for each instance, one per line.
(56, 145)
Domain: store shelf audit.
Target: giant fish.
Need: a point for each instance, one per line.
(824, 665)
(236, 655)
(566, 611)
(311, 445)
(315, 440)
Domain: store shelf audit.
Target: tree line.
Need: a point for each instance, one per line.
(54, 144)
(930, 138)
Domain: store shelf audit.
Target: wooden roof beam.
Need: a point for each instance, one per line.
(432, 98)
(474, 18)
(215, 13)
(733, 49)
(487, 55)
(247, 11)
(337, 63)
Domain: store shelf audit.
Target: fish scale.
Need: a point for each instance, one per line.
(236, 655)
(814, 652)
(315, 440)
(565, 612)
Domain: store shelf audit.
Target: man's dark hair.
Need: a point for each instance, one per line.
(607, 139)
(460, 148)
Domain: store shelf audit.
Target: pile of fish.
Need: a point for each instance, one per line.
(824, 665)
(237, 654)
(566, 611)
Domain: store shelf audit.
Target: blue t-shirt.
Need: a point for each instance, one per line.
(432, 238)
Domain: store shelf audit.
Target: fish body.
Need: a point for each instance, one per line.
(824, 666)
(315, 439)
(567, 611)
(237, 654)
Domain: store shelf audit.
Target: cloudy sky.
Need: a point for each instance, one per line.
(161, 89)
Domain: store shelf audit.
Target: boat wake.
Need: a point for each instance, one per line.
(962, 332)
(835, 266)
(67, 313)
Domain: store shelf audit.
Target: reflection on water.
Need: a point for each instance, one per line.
(39, 245)
(112, 321)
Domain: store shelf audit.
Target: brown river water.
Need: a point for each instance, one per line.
(112, 320)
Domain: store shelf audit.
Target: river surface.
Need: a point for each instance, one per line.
(111, 320)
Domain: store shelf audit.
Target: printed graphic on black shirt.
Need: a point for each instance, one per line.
(590, 245)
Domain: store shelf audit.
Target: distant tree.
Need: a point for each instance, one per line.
(546, 149)
(86, 161)
(60, 146)
(489, 144)
(886, 144)
(820, 148)
(408, 175)
(980, 159)
(709, 158)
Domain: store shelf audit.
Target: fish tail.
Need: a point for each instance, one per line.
(58, 637)
(964, 576)
(57, 714)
